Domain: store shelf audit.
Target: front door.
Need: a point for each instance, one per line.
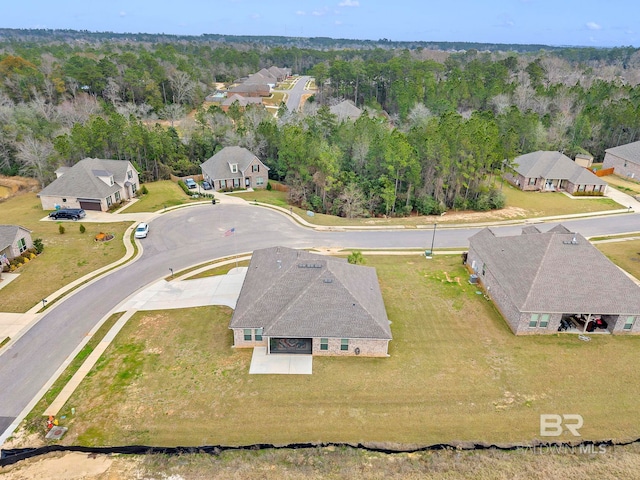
(247, 182)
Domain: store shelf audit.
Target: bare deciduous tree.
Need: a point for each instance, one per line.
(182, 87)
(33, 155)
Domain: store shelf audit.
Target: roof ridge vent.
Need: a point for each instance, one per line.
(573, 241)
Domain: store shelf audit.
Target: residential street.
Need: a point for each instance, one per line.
(295, 94)
(190, 236)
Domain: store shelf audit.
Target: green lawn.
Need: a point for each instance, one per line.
(272, 197)
(65, 258)
(624, 254)
(275, 99)
(162, 194)
(456, 372)
(626, 185)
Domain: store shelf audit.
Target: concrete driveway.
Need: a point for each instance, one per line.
(163, 295)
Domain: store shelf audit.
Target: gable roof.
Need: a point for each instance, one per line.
(218, 166)
(242, 101)
(81, 180)
(8, 234)
(556, 166)
(630, 151)
(346, 110)
(293, 293)
(556, 272)
(251, 88)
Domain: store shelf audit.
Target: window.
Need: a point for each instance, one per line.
(258, 334)
(532, 181)
(129, 174)
(581, 188)
(117, 196)
(544, 320)
(247, 335)
(533, 322)
(344, 344)
(324, 344)
(234, 168)
(134, 187)
(628, 324)
(22, 245)
(255, 168)
(236, 182)
(259, 181)
(109, 202)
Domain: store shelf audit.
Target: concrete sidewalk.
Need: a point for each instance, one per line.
(281, 363)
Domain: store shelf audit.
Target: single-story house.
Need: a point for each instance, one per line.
(625, 160)
(541, 282)
(281, 74)
(346, 110)
(251, 90)
(551, 171)
(235, 167)
(242, 101)
(92, 184)
(293, 301)
(14, 240)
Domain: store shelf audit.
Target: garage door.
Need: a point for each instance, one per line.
(90, 205)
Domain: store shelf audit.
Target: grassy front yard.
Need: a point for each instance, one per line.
(624, 254)
(65, 258)
(162, 194)
(455, 373)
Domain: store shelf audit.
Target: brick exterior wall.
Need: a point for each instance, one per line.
(572, 188)
(624, 168)
(521, 182)
(368, 347)
(618, 326)
(253, 177)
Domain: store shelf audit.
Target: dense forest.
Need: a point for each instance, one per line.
(442, 121)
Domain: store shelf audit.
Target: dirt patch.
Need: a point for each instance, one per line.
(69, 466)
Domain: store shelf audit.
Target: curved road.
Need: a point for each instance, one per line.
(190, 236)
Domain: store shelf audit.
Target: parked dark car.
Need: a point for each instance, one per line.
(206, 185)
(68, 213)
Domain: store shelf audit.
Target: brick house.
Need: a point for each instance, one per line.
(242, 102)
(251, 90)
(546, 171)
(14, 240)
(235, 167)
(92, 184)
(539, 279)
(624, 159)
(293, 301)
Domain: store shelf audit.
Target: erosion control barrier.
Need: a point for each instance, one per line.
(12, 456)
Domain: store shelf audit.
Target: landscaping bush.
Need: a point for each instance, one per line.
(61, 229)
(144, 190)
(587, 194)
(82, 229)
(184, 188)
(269, 186)
(38, 245)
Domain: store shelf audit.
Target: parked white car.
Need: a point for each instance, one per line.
(142, 230)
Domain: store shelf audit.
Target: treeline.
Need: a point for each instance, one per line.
(440, 128)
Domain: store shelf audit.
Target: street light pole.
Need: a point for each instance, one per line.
(433, 239)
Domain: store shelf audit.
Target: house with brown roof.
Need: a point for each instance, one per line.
(242, 101)
(235, 167)
(547, 171)
(293, 301)
(92, 184)
(624, 159)
(251, 90)
(14, 240)
(543, 282)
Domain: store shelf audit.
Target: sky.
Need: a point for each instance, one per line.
(596, 23)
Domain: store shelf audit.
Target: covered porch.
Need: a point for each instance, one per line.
(586, 323)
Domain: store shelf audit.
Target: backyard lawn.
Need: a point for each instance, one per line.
(625, 254)
(626, 185)
(455, 373)
(65, 258)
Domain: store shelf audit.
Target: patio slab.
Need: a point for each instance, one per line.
(279, 363)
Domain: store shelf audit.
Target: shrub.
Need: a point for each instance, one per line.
(61, 229)
(355, 258)
(144, 190)
(269, 186)
(184, 187)
(82, 229)
(38, 245)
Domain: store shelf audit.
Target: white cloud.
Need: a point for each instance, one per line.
(338, 22)
(123, 13)
(349, 3)
(319, 13)
(593, 26)
(300, 12)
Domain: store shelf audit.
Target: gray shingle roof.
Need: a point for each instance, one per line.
(242, 101)
(251, 88)
(293, 293)
(346, 110)
(548, 272)
(81, 180)
(8, 234)
(218, 167)
(630, 151)
(554, 166)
